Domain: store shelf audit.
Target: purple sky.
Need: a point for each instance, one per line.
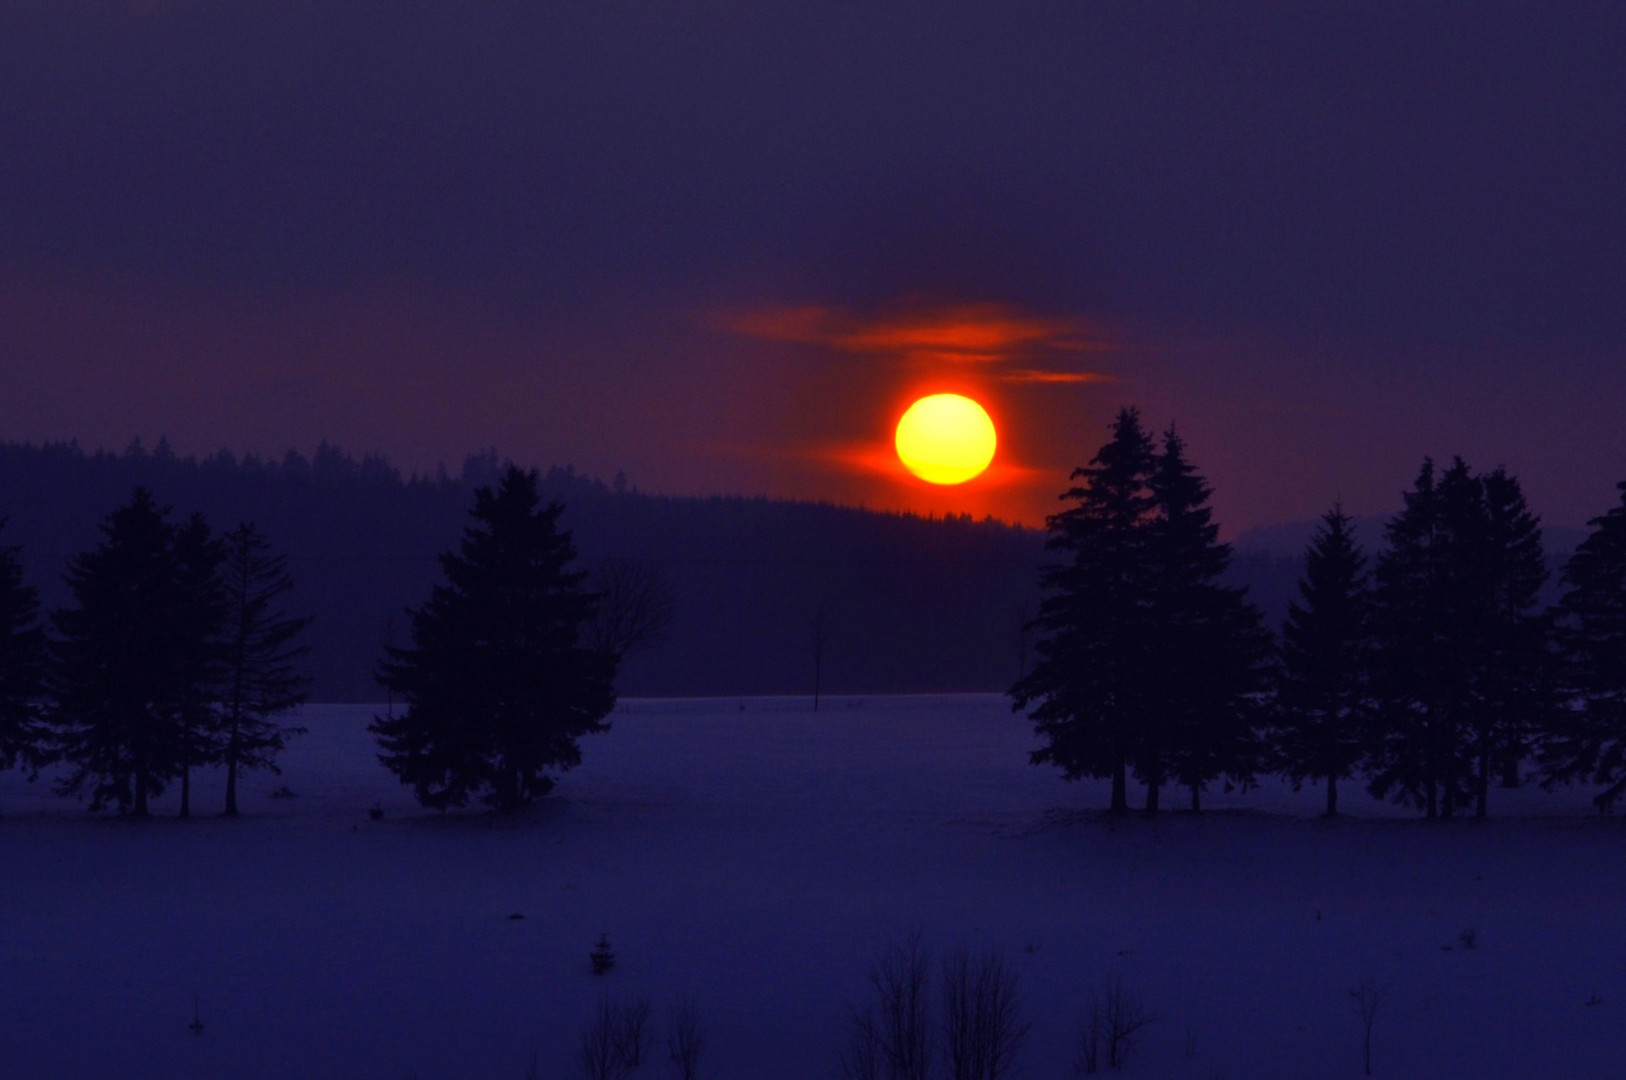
(720, 245)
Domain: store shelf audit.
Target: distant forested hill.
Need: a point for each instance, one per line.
(911, 604)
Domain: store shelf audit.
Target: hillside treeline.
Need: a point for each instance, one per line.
(908, 604)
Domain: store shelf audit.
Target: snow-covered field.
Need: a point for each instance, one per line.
(756, 856)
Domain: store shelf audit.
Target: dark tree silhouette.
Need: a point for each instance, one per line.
(1432, 631)
(818, 636)
(635, 608)
(22, 665)
(1208, 673)
(124, 657)
(499, 681)
(196, 609)
(1517, 695)
(1088, 693)
(1322, 688)
(260, 655)
(1588, 739)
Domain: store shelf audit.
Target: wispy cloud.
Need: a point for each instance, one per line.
(1033, 375)
(991, 336)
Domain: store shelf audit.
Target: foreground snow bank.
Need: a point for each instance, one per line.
(755, 857)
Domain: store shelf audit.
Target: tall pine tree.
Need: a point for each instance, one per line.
(1322, 687)
(126, 661)
(499, 683)
(260, 654)
(1089, 691)
(1207, 672)
(22, 665)
(1588, 741)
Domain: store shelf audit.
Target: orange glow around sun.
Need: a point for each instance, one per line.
(946, 439)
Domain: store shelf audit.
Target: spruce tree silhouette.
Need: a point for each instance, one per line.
(22, 665)
(1432, 627)
(1589, 744)
(1322, 688)
(1517, 692)
(498, 682)
(261, 652)
(1208, 671)
(196, 610)
(125, 659)
(1089, 691)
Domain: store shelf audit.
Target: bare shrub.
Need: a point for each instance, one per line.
(983, 1027)
(895, 1027)
(1112, 1026)
(599, 1059)
(860, 1059)
(615, 1040)
(633, 1035)
(635, 608)
(1367, 998)
(1468, 937)
(685, 1040)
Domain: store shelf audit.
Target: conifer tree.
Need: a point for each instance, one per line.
(1089, 691)
(1430, 605)
(1588, 741)
(1322, 689)
(22, 665)
(498, 682)
(260, 655)
(1516, 695)
(1207, 672)
(124, 658)
(194, 615)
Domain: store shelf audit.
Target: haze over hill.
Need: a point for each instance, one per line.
(911, 604)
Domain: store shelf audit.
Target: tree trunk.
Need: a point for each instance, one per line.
(1196, 798)
(1152, 787)
(140, 808)
(231, 777)
(1431, 799)
(1120, 788)
(186, 791)
(1510, 770)
(1482, 786)
(1332, 794)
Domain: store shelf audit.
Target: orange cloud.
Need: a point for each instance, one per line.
(970, 334)
(1033, 375)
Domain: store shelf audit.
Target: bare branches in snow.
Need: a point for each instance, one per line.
(891, 1037)
(1112, 1025)
(685, 1040)
(1366, 999)
(616, 1040)
(983, 1027)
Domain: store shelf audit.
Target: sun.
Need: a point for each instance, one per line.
(945, 439)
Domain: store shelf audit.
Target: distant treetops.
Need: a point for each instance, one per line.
(1434, 677)
(174, 654)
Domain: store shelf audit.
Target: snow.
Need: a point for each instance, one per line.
(756, 856)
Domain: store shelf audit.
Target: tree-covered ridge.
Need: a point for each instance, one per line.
(913, 604)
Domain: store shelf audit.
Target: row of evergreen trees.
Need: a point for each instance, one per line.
(1431, 676)
(174, 654)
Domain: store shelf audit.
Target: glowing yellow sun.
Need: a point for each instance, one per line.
(945, 439)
